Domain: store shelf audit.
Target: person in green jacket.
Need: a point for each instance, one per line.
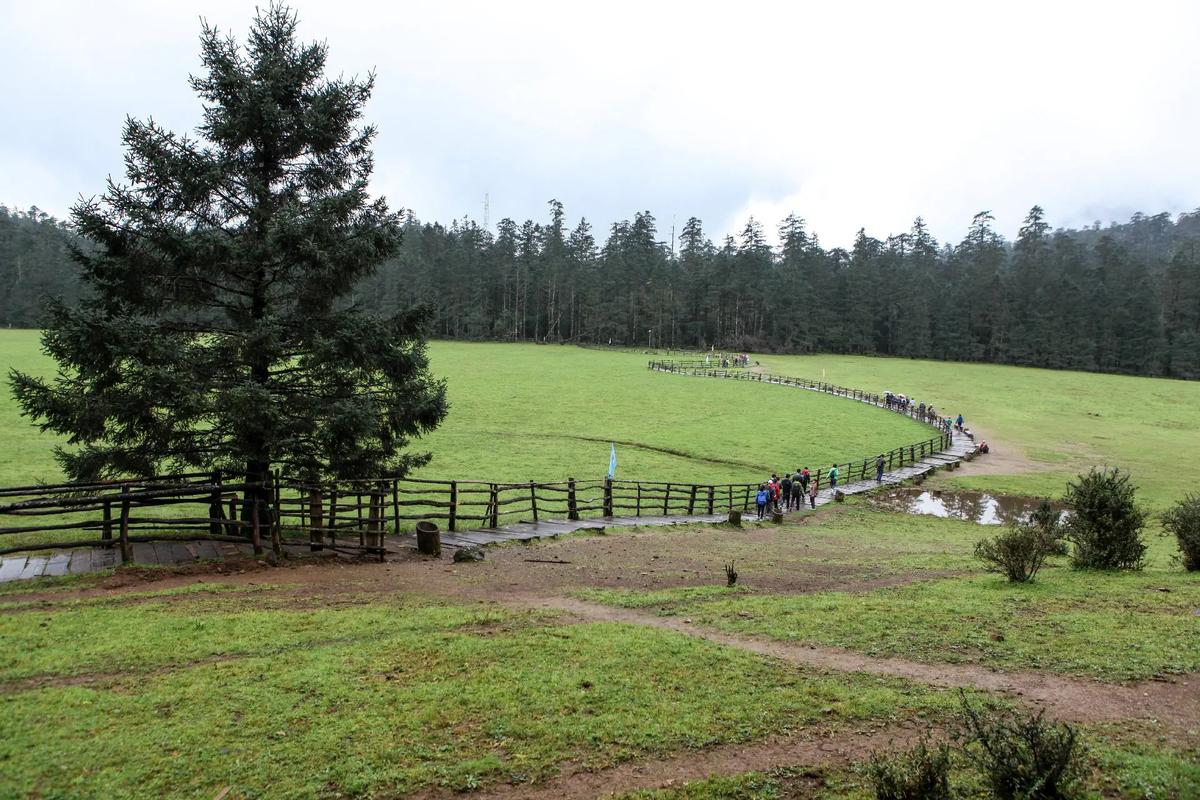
(833, 476)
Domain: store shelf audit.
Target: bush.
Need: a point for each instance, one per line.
(1049, 520)
(1105, 525)
(1183, 520)
(923, 773)
(1022, 758)
(1019, 552)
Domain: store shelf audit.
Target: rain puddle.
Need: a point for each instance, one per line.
(986, 509)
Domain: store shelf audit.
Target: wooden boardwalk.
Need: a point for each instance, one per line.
(81, 561)
(531, 531)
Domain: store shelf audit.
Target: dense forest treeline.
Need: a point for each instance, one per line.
(1123, 298)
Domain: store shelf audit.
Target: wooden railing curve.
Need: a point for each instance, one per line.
(354, 516)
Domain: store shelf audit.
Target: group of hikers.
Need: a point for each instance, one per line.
(924, 413)
(790, 492)
(727, 360)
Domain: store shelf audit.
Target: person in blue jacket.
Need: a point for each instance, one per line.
(761, 499)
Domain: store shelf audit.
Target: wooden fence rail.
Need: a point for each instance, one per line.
(353, 516)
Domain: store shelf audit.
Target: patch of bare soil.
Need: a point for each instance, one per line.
(1172, 704)
(1003, 458)
(814, 748)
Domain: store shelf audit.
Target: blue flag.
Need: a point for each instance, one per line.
(612, 461)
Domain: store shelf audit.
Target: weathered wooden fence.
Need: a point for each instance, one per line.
(354, 516)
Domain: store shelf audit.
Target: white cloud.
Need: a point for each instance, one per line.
(851, 115)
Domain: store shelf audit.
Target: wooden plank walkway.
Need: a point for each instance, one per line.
(85, 560)
(548, 529)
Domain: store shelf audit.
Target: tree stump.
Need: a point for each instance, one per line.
(429, 540)
(839, 496)
(777, 517)
(735, 518)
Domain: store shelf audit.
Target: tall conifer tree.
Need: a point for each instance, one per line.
(216, 332)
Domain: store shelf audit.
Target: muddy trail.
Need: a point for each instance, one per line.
(1174, 705)
(816, 749)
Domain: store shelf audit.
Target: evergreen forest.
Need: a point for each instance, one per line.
(1121, 298)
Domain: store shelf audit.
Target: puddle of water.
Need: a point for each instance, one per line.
(985, 509)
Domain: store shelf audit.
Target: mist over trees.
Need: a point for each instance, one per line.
(1123, 298)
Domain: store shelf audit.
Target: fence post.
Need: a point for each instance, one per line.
(608, 499)
(396, 505)
(495, 503)
(333, 501)
(692, 501)
(316, 515)
(126, 547)
(276, 530)
(214, 508)
(106, 532)
(712, 490)
(572, 502)
(533, 500)
(667, 501)
(638, 511)
(376, 519)
(453, 506)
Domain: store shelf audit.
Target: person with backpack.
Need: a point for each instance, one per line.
(833, 476)
(797, 499)
(812, 493)
(879, 463)
(785, 491)
(760, 500)
(805, 477)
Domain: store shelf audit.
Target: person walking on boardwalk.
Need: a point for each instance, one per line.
(812, 493)
(785, 491)
(833, 476)
(799, 484)
(879, 463)
(805, 477)
(760, 500)
(959, 422)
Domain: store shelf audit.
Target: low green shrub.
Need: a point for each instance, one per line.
(1021, 758)
(922, 773)
(1183, 520)
(1019, 552)
(1105, 525)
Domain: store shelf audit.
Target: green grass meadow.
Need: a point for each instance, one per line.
(528, 412)
(1107, 626)
(360, 681)
(277, 695)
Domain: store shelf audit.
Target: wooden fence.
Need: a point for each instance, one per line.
(354, 516)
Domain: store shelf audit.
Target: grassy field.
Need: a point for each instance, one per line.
(1059, 422)
(1118, 627)
(424, 676)
(387, 681)
(527, 412)
(278, 694)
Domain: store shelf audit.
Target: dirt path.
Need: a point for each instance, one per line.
(1174, 705)
(814, 748)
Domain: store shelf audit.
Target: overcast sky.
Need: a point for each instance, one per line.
(849, 114)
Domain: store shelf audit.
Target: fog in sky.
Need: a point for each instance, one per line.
(849, 114)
